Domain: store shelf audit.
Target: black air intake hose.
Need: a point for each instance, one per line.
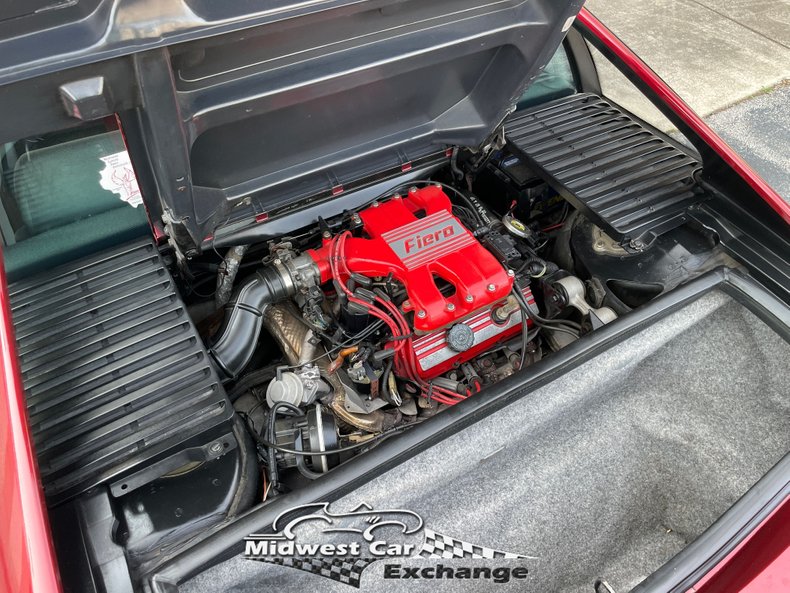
(238, 337)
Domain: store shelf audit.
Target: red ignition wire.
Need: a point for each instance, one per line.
(397, 324)
(552, 227)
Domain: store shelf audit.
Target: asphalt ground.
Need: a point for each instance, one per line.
(759, 129)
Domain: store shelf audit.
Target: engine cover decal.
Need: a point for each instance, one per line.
(427, 239)
(434, 355)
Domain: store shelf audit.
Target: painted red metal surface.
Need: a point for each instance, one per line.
(759, 564)
(435, 356)
(418, 240)
(671, 98)
(27, 560)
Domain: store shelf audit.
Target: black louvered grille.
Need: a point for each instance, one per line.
(114, 371)
(629, 181)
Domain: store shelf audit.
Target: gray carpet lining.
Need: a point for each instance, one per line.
(608, 471)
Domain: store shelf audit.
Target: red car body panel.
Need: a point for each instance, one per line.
(27, 559)
(27, 562)
(759, 564)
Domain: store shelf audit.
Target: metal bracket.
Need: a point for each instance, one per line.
(211, 450)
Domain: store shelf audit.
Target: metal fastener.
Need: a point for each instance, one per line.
(413, 189)
(469, 298)
(511, 273)
(491, 288)
(450, 307)
(421, 313)
(215, 447)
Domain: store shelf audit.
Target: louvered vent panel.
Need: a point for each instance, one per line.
(113, 368)
(629, 181)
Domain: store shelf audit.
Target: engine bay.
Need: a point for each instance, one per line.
(343, 333)
(285, 354)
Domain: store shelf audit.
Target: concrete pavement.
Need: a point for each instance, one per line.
(714, 53)
(728, 59)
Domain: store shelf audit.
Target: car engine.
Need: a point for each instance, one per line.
(386, 315)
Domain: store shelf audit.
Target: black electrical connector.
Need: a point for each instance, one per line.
(502, 246)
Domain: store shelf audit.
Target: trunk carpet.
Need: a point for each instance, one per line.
(607, 472)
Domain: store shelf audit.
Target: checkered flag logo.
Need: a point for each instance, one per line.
(365, 522)
(438, 545)
(348, 571)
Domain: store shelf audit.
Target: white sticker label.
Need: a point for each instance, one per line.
(118, 177)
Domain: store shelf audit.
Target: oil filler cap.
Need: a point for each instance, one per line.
(460, 337)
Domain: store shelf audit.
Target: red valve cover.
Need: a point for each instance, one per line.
(419, 241)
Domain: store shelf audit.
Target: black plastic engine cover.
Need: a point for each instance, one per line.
(622, 175)
(115, 374)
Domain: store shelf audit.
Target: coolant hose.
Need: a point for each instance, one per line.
(537, 267)
(238, 337)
